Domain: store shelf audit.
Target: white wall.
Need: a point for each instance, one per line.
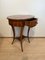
(31, 7)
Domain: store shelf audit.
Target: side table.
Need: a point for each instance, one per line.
(21, 21)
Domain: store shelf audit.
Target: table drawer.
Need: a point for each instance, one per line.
(16, 23)
(31, 23)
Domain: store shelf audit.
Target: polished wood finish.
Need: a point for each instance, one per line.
(21, 21)
(31, 23)
(28, 34)
(13, 34)
(16, 23)
(21, 38)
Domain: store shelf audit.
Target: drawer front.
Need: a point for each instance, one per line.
(31, 23)
(16, 23)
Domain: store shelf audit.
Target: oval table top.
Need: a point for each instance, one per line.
(20, 17)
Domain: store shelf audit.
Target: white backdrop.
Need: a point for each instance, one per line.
(14, 7)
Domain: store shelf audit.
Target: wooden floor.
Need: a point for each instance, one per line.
(35, 50)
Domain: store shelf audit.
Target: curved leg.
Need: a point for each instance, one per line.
(13, 34)
(28, 34)
(21, 38)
